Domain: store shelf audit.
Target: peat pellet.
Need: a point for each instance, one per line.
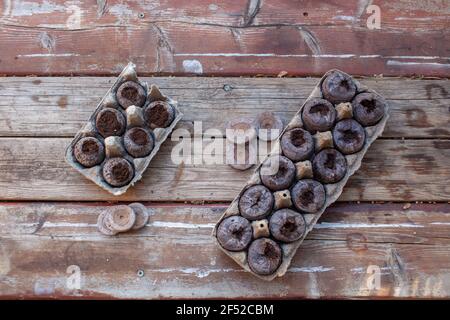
(240, 130)
(264, 256)
(118, 172)
(277, 173)
(138, 142)
(303, 189)
(89, 152)
(110, 122)
(130, 93)
(329, 166)
(318, 115)
(241, 156)
(287, 225)
(368, 108)
(308, 196)
(234, 233)
(338, 87)
(121, 218)
(119, 124)
(297, 144)
(268, 125)
(159, 114)
(141, 215)
(256, 202)
(348, 136)
(104, 226)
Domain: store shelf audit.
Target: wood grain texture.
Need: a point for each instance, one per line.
(242, 37)
(58, 107)
(410, 248)
(393, 170)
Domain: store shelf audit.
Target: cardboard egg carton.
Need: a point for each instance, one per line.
(114, 145)
(303, 170)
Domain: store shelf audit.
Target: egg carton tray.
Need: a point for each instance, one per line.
(332, 190)
(114, 145)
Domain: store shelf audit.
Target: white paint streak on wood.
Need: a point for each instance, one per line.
(198, 272)
(415, 19)
(310, 269)
(27, 8)
(337, 225)
(429, 64)
(345, 18)
(40, 55)
(48, 224)
(441, 223)
(164, 224)
(314, 290)
(416, 57)
(338, 56)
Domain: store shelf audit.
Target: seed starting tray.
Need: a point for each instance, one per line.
(322, 141)
(113, 146)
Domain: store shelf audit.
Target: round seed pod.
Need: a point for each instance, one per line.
(240, 130)
(89, 152)
(264, 256)
(308, 195)
(241, 156)
(256, 202)
(338, 87)
(368, 108)
(159, 114)
(121, 218)
(286, 225)
(318, 115)
(234, 233)
(348, 136)
(329, 166)
(110, 122)
(118, 172)
(297, 144)
(138, 142)
(141, 215)
(104, 226)
(130, 93)
(277, 173)
(269, 126)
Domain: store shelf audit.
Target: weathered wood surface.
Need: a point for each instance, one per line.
(392, 170)
(240, 37)
(38, 242)
(58, 107)
(48, 111)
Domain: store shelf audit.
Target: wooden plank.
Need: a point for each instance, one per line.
(244, 37)
(395, 170)
(58, 14)
(60, 106)
(179, 260)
